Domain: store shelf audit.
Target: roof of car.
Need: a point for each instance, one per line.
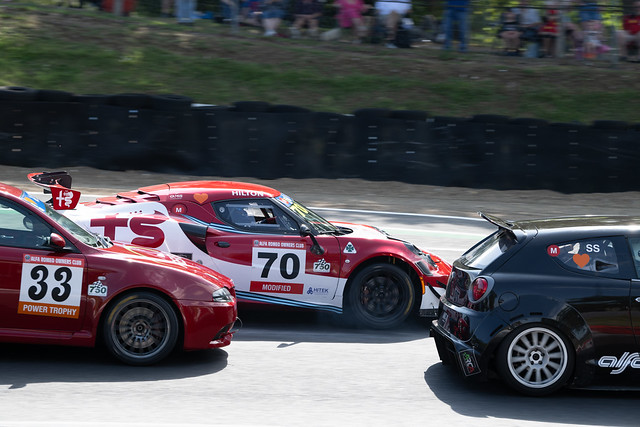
(217, 189)
(579, 224)
(10, 190)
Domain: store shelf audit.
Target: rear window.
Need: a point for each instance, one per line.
(488, 250)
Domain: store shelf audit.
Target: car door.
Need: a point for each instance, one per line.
(634, 295)
(40, 289)
(261, 249)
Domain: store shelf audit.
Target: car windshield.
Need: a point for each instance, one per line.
(489, 249)
(74, 229)
(319, 223)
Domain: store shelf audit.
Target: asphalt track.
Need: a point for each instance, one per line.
(290, 369)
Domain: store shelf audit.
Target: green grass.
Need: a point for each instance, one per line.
(84, 51)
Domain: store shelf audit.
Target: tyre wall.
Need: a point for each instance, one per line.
(167, 133)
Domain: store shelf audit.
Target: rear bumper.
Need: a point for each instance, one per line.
(454, 352)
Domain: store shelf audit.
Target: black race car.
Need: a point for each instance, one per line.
(545, 304)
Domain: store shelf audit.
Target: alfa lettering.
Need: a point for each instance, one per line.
(627, 360)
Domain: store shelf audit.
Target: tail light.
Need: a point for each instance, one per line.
(479, 288)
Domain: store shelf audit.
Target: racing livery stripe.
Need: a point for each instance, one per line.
(249, 296)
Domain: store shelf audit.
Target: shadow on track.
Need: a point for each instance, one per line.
(264, 324)
(23, 364)
(495, 400)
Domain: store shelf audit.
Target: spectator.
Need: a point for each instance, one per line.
(250, 12)
(630, 33)
(390, 13)
(165, 11)
(272, 14)
(549, 29)
(350, 16)
(530, 22)
(510, 33)
(185, 11)
(456, 14)
(307, 14)
(591, 25)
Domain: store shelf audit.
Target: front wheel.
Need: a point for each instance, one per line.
(141, 329)
(381, 296)
(535, 360)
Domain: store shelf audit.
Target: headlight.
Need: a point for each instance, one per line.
(222, 295)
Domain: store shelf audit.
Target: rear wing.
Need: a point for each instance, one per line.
(511, 226)
(58, 184)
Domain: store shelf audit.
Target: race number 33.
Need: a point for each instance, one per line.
(51, 286)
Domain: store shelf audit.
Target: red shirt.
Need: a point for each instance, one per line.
(631, 23)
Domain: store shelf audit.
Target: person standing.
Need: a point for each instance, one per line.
(456, 14)
(185, 11)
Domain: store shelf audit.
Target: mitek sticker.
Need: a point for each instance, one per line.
(349, 249)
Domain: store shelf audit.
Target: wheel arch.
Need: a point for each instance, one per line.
(391, 260)
(563, 318)
(106, 308)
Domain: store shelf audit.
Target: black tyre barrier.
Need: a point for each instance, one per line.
(50, 95)
(409, 115)
(164, 133)
(283, 108)
(17, 93)
(251, 106)
(90, 99)
(170, 102)
(130, 100)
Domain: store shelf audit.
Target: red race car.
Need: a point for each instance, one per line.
(276, 250)
(60, 284)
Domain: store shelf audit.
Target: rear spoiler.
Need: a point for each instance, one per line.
(58, 184)
(511, 226)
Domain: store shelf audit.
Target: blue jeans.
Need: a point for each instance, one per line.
(455, 15)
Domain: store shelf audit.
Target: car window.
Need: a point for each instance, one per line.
(258, 216)
(489, 249)
(634, 243)
(21, 228)
(597, 255)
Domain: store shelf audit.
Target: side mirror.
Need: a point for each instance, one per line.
(56, 241)
(316, 249)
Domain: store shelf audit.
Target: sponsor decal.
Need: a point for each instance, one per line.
(553, 250)
(146, 229)
(321, 266)
(627, 360)
(581, 260)
(97, 288)
(200, 197)
(317, 291)
(64, 198)
(175, 196)
(179, 209)
(271, 244)
(277, 288)
(51, 286)
(34, 201)
(248, 193)
(469, 362)
(350, 249)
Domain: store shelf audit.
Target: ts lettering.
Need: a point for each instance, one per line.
(151, 236)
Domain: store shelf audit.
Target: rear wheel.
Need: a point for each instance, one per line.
(535, 360)
(381, 296)
(141, 329)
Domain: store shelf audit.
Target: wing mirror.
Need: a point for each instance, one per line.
(56, 241)
(316, 249)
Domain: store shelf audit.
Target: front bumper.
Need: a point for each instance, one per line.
(208, 324)
(452, 351)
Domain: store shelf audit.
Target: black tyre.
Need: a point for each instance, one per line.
(141, 329)
(535, 360)
(17, 93)
(170, 102)
(381, 296)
